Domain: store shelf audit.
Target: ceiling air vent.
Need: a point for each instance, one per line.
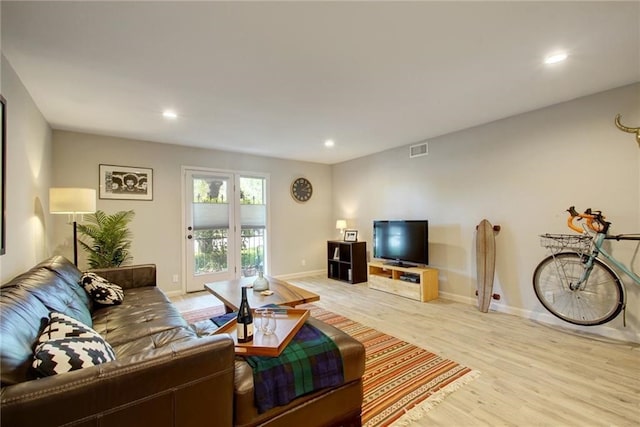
(418, 150)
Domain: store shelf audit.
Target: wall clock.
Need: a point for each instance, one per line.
(301, 189)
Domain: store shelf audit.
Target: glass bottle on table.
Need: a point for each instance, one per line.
(244, 319)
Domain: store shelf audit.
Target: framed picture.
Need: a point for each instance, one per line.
(3, 174)
(350, 235)
(126, 183)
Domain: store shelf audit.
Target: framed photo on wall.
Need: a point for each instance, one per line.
(350, 235)
(126, 182)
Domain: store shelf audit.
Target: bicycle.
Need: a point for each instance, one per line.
(574, 283)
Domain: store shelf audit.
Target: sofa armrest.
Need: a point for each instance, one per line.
(130, 276)
(353, 359)
(191, 384)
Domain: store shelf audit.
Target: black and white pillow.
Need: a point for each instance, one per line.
(66, 345)
(101, 290)
(61, 326)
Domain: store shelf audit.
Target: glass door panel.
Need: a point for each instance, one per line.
(210, 241)
(253, 225)
(226, 226)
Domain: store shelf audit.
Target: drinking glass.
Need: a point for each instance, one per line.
(259, 318)
(268, 322)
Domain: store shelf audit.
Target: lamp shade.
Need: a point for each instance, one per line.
(341, 224)
(72, 200)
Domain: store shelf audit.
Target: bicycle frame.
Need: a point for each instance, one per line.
(598, 249)
(600, 238)
(596, 224)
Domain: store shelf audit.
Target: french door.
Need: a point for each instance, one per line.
(225, 224)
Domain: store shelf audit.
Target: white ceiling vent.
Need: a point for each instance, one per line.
(418, 150)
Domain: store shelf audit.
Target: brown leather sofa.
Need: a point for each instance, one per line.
(165, 373)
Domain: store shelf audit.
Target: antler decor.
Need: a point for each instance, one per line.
(628, 129)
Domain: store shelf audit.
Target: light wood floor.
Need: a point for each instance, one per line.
(531, 374)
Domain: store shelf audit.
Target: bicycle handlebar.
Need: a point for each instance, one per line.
(595, 220)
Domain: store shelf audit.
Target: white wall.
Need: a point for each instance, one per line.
(299, 231)
(28, 177)
(522, 173)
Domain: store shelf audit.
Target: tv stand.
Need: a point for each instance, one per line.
(418, 283)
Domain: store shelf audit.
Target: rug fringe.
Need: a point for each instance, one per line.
(420, 411)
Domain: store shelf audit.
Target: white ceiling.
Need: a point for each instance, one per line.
(278, 78)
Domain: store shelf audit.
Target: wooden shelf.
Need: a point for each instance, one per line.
(347, 261)
(418, 283)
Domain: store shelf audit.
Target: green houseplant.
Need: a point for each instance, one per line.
(111, 238)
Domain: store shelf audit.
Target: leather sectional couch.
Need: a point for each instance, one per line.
(165, 372)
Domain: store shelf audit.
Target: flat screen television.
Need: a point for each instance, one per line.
(401, 242)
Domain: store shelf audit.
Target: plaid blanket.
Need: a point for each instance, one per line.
(310, 362)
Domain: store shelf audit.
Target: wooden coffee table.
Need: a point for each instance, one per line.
(230, 293)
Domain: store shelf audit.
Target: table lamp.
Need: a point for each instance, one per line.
(72, 201)
(341, 224)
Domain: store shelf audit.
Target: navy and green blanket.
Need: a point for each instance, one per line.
(310, 362)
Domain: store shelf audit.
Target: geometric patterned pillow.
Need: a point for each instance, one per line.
(101, 290)
(66, 345)
(61, 326)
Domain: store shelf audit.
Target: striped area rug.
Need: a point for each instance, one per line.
(196, 315)
(401, 381)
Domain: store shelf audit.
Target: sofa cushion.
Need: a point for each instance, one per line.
(145, 311)
(71, 276)
(101, 290)
(54, 293)
(150, 346)
(22, 317)
(66, 345)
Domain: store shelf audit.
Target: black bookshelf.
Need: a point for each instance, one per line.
(347, 261)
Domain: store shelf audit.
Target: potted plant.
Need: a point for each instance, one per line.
(111, 238)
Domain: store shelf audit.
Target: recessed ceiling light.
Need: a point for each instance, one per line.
(169, 114)
(555, 58)
(329, 143)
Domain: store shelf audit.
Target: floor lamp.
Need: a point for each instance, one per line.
(72, 201)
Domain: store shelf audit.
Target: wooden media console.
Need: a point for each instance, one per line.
(418, 283)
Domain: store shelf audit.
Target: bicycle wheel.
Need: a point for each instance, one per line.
(598, 300)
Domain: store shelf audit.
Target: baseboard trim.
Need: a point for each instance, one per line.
(457, 298)
(593, 332)
(300, 274)
(175, 293)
